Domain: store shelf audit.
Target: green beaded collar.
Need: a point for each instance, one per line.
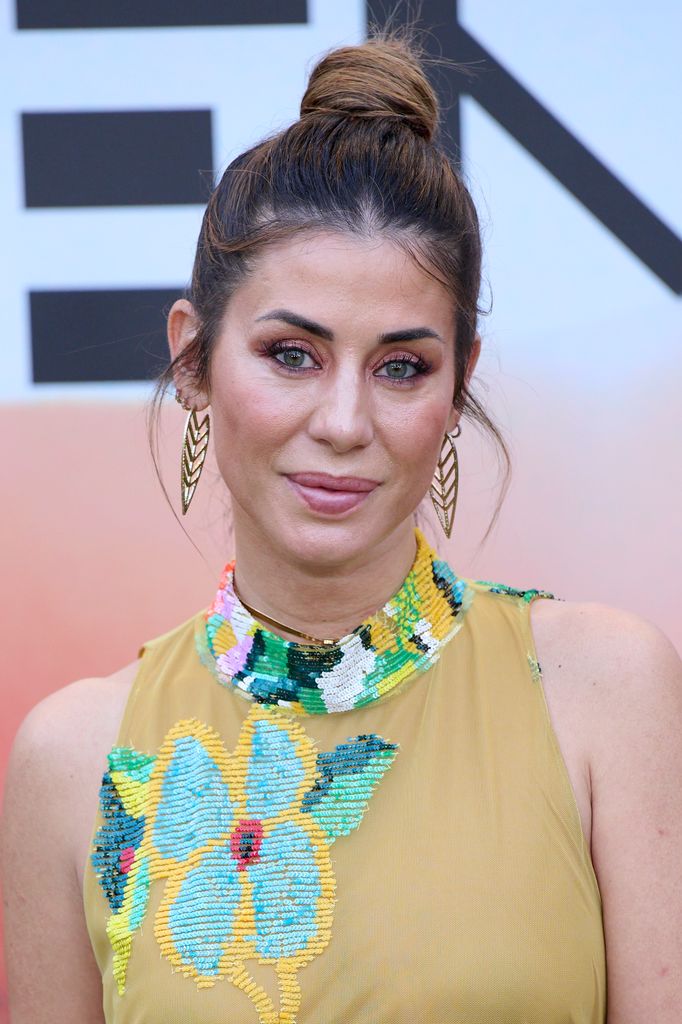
(404, 637)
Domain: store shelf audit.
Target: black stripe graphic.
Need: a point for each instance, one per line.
(541, 134)
(80, 336)
(120, 158)
(157, 13)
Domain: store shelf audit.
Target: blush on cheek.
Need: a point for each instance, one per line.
(251, 427)
(258, 414)
(422, 434)
(415, 446)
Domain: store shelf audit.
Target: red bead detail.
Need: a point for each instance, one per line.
(126, 859)
(245, 843)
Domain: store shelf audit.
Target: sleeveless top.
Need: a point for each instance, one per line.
(416, 857)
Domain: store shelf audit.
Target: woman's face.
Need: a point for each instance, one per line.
(335, 357)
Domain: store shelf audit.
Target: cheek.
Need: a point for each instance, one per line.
(415, 440)
(414, 446)
(253, 420)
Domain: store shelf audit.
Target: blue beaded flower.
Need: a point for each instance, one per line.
(242, 841)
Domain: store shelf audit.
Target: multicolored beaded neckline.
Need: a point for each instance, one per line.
(404, 637)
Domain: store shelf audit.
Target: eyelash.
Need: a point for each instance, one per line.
(417, 361)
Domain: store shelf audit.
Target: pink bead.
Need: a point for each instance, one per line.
(126, 858)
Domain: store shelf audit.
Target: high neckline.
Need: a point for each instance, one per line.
(399, 640)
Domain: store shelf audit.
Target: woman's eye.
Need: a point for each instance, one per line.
(293, 358)
(400, 369)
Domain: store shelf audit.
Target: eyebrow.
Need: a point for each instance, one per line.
(405, 334)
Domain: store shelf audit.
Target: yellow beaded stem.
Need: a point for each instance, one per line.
(194, 449)
(289, 991)
(446, 482)
(265, 1007)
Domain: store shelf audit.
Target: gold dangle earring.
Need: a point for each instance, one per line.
(446, 482)
(194, 449)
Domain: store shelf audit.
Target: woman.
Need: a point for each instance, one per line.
(345, 791)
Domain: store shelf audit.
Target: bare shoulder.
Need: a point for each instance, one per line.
(51, 792)
(64, 740)
(76, 717)
(602, 646)
(604, 665)
(627, 676)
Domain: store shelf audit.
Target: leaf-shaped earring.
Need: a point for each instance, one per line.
(446, 482)
(194, 449)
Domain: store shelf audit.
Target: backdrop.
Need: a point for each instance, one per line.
(113, 125)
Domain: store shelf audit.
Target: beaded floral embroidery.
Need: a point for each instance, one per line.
(242, 841)
(404, 637)
(503, 588)
(120, 865)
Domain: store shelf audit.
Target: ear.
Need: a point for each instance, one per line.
(454, 416)
(473, 358)
(181, 328)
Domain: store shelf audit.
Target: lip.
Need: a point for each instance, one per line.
(333, 483)
(331, 495)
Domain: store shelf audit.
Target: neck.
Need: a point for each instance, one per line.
(323, 599)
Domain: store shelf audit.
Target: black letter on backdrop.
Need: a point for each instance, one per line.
(540, 133)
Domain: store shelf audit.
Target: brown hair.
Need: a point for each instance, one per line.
(363, 158)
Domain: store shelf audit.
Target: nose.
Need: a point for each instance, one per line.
(343, 416)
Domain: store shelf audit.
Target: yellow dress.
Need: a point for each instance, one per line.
(417, 858)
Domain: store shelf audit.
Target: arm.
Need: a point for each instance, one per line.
(636, 771)
(52, 973)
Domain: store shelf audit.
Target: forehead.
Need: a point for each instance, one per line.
(341, 277)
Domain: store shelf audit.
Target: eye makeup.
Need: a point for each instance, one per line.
(416, 361)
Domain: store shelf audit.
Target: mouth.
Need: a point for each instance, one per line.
(331, 495)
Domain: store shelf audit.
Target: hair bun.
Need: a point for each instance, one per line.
(378, 79)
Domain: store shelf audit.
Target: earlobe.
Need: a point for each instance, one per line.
(453, 420)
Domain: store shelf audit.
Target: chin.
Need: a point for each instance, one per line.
(331, 544)
(327, 543)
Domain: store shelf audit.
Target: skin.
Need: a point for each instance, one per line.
(612, 680)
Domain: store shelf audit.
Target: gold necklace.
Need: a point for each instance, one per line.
(282, 625)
